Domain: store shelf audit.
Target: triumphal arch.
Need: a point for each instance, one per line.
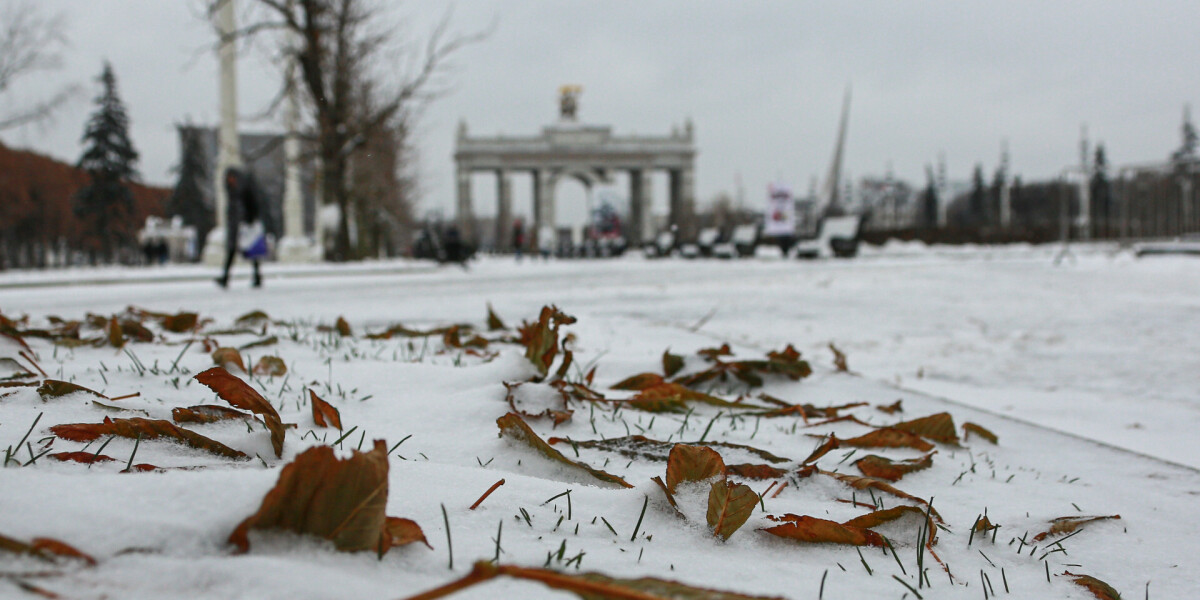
(589, 153)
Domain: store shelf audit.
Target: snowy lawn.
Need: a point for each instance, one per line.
(1101, 347)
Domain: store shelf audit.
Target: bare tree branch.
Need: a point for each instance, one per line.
(30, 42)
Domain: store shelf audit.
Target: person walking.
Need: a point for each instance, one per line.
(518, 237)
(242, 217)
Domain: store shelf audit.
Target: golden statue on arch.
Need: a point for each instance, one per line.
(568, 101)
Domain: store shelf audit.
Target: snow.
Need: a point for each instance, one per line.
(1084, 367)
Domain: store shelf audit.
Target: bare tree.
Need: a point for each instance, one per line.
(339, 46)
(29, 43)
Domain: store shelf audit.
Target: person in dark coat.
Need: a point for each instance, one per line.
(241, 208)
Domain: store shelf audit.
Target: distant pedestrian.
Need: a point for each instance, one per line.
(518, 237)
(545, 241)
(242, 217)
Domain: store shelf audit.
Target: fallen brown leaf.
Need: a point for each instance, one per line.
(729, 506)
(233, 390)
(228, 356)
(889, 438)
(892, 470)
(969, 428)
(639, 382)
(146, 429)
(401, 532)
(1098, 588)
(205, 413)
(324, 414)
(939, 428)
(318, 494)
(81, 457)
(672, 363)
(270, 366)
(588, 586)
(692, 463)
(1063, 525)
(514, 427)
(52, 388)
(803, 528)
(748, 471)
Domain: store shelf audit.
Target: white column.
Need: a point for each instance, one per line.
(504, 219)
(228, 149)
(466, 214)
(543, 199)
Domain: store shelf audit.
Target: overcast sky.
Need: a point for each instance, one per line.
(761, 80)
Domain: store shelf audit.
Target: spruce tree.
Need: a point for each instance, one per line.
(1187, 149)
(1101, 193)
(929, 202)
(190, 197)
(106, 203)
(977, 203)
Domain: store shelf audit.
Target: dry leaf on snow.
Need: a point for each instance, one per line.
(233, 390)
(514, 427)
(146, 429)
(729, 505)
(228, 356)
(804, 528)
(1063, 525)
(343, 501)
(692, 463)
(324, 414)
(205, 413)
(892, 470)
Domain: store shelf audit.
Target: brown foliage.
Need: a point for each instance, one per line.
(270, 366)
(889, 438)
(239, 393)
(692, 463)
(804, 528)
(590, 586)
(729, 506)
(343, 501)
(37, 197)
(146, 429)
(324, 414)
(969, 428)
(1098, 588)
(1063, 525)
(540, 337)
(891, 470)
(514, 427)
(81, 457)
(228, 356)
(939, 428)
(53, 388)
(205, 413)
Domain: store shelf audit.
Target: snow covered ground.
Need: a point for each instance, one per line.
(1086, 369)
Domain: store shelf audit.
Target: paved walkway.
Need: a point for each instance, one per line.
(176, 273)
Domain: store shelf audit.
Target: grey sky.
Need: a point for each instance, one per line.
(761, 80)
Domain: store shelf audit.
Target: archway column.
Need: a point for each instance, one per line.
(504, 241)
(466, 214)
(543, 199)
(682, 201)
(639, 206)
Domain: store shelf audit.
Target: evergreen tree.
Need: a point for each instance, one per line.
(106, 203)
(1101, 193)
(1187, 149)
(190, 200)
(929, 201)
(977, 204)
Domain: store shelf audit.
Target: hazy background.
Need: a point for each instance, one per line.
(762, 81)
